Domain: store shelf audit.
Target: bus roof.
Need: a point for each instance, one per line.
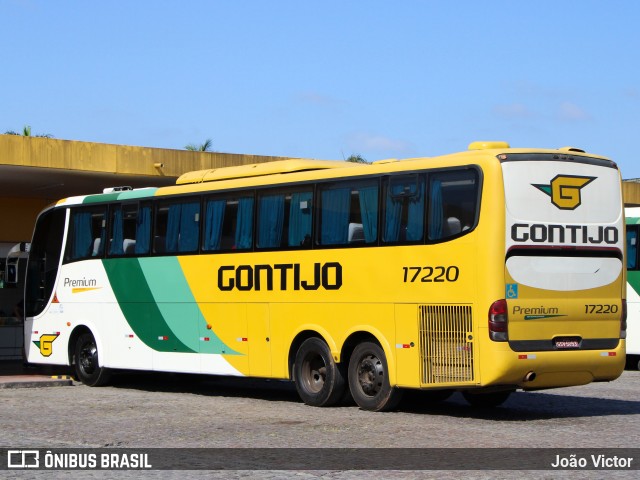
(284, 171)
(259, 169)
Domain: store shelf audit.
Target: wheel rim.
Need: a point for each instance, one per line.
(314, 373)
(88, 358)
(371, 375)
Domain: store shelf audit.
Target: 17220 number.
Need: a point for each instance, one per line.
(431, 274)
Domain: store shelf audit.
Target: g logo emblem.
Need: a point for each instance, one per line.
(564, 190)
(45, 344)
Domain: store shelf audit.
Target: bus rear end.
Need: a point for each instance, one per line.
(563, 316)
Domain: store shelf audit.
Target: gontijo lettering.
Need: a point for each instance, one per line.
(327, 276)
(567, 234)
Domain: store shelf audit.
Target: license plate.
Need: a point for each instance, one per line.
(566, 343)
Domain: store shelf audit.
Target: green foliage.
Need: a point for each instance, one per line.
(205, 147)
(26, 132)
(356, 158)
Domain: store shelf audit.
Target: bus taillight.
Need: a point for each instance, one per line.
(498, 325)
(623, 319)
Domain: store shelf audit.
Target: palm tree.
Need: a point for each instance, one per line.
(205, 147)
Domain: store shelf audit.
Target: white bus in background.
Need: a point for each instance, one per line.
(633, 288)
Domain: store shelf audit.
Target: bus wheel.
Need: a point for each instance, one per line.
(486, 400)
(369, 379)
(319, 380)
(88, 369)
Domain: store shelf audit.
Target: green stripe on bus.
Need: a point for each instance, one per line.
(138, 305)
(139, 193)
(104, 197)
(176, 302)
(123, 195)
(156, 301)
(633, 279)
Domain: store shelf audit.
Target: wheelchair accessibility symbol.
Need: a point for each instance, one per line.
(512, 290)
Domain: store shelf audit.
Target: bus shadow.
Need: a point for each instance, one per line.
(521, 406)
(208, 385)
(524, 406)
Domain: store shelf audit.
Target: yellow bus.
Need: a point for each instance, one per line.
(483, 272)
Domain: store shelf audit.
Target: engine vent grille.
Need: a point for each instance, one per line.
(446, 344)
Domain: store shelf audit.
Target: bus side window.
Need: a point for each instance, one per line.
(270, 220)
(632, 248)
(87, 233)
(142, 229)
(130, 229)
(179, 225)
(349, 213)
(300, 216)
(453, 203)
(404, 209)
(284, 220)
(228, 224)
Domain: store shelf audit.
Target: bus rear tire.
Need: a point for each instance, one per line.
(369, 379)
(486, 400)
(87, 366)
(319, 380)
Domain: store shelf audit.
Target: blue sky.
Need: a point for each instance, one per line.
(326, 79)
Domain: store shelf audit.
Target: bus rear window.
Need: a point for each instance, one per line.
(453, 203)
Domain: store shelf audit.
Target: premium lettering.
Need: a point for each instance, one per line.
(280, 276)
(517, 310)
(80, 282)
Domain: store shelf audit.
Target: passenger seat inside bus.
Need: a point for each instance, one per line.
(452, 227)
(356, 233)
(129, 246)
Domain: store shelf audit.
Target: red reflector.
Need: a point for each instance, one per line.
(522, 357)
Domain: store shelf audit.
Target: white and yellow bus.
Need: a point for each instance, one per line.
(485, 271)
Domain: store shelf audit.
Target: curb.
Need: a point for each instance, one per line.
(35, 381)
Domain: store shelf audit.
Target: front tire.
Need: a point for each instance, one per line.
(319, 380)
(369, 379)
(87, 366)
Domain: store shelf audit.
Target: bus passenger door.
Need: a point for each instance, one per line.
(259, 340)
(225, 327)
